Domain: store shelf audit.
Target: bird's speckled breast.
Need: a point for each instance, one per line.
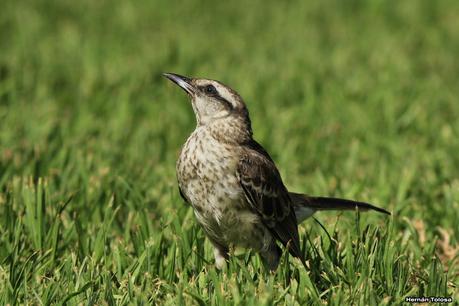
(206, 173)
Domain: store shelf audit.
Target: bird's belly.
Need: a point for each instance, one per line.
(226, 217)
(229, 224)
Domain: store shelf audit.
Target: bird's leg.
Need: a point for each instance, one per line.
(220, 258)
(221, 255)
(271, 256)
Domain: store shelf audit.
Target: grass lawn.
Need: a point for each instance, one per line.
(354, 99)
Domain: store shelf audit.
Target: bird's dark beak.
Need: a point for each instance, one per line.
(182, 81)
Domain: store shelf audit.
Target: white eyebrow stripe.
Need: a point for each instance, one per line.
(225, 94)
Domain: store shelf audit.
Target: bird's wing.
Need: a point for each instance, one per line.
(267, 196)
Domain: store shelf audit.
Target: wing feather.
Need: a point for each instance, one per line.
(267, 196)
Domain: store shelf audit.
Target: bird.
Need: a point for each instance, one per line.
(232, 183)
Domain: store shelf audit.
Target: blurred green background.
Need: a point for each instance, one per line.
(355, 99)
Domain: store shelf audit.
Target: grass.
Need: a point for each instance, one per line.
(356, 99)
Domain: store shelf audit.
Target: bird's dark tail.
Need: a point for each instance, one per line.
(305, 205)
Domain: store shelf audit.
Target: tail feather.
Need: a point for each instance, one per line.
(305, 206)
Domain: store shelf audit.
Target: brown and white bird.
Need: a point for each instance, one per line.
(232, 183)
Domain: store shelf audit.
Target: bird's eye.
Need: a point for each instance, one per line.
(210, 89)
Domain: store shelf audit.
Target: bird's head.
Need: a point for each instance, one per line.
(212, 101)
